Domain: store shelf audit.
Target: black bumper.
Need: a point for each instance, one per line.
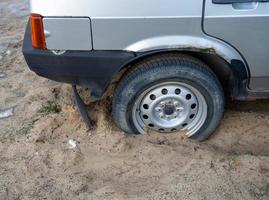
(93, 69)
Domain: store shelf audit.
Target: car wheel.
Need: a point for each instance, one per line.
(169, 93)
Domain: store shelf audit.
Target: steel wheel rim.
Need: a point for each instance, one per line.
(170, 107)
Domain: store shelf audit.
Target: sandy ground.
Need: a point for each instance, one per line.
(36, 162)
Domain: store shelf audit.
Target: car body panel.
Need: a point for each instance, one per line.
(117, 8)
(142, 35)
(246, 27)
(132, 26)
(68, 33)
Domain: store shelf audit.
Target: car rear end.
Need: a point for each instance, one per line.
(59, 47)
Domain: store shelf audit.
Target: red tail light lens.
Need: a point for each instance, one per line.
(37, 30)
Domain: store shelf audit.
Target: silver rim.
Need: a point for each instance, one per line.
(170, 107)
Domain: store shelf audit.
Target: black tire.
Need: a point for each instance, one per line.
(166, 67)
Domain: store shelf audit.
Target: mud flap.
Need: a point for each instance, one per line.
(82, 109)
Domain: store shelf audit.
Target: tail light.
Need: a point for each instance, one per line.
(37, 31)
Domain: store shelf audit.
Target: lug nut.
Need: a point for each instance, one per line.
(180, 109)
(158, 109)
(176, 104)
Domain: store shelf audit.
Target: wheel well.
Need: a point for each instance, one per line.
(218, 65)
(221, 68)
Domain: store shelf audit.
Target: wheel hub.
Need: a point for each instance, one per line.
(169, 109)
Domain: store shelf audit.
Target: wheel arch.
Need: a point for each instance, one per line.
(228, 73)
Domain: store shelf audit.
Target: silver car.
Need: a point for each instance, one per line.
(175, 62)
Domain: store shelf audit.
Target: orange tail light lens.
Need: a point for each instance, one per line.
(37, 31)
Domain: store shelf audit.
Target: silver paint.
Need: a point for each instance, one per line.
(245, 26)
(141, 35)
(108, 9)
(139, 25)
(68, 33)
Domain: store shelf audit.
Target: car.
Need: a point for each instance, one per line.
(175, 62)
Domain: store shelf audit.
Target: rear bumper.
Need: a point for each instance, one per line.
(94, 69)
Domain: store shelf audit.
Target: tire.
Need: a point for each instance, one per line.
(168, 93)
